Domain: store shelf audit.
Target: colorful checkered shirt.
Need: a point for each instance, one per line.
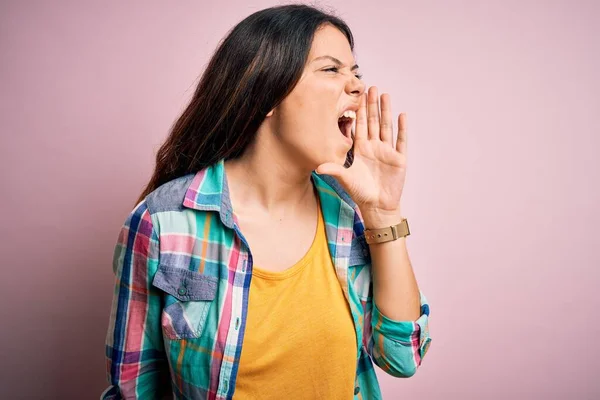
(183, 271)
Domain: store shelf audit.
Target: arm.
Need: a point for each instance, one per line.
(136, 364)
(400, 312)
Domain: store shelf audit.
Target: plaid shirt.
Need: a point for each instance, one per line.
(183, 271)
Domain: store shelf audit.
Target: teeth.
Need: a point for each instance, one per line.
(349, 114)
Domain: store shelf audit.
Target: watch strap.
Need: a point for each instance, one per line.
(387, 234)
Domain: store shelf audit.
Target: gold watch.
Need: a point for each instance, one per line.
(387, 234)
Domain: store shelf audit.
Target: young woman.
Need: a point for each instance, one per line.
(266, 258)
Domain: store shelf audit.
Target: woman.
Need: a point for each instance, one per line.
(243, 273)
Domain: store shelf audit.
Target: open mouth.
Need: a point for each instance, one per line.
(345, 125)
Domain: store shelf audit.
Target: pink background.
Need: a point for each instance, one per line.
(502, 193)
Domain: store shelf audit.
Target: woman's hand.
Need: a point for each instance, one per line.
(376, 178)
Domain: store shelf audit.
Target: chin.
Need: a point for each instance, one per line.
(340, 157)
(336, 158)
(330, 152)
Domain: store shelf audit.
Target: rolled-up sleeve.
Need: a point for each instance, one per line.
(136, 364)
(398, 347)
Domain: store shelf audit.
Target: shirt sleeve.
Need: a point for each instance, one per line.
(398, 347)
(136, 363)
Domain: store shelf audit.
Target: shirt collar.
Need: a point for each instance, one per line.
(209, 191)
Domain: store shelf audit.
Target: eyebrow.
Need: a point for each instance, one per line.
(335, 60)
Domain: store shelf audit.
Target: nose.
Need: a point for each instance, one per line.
(355, 87)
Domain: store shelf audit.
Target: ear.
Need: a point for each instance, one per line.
(270, 113)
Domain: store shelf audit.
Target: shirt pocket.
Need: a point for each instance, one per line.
(188, 297)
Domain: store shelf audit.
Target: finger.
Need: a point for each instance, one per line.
(386, 126)
(361, 129)
(373, 113)
(401, 141)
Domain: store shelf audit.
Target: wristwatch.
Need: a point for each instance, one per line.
(387, 234)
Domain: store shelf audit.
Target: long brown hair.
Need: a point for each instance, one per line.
(253, 69)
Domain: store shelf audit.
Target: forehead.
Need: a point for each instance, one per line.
(330, 41)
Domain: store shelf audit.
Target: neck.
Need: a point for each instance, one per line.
(266, 179)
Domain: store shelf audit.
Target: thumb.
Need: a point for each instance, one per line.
(330, 169)
(337, 171)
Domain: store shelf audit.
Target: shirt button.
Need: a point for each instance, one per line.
(182, 291)
(356, 390)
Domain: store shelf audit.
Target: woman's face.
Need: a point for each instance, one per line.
(306, 122)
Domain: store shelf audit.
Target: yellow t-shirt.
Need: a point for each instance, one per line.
(299, 341)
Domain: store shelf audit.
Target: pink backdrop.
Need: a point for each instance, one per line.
(502, 193)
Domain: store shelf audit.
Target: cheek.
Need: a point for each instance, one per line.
(322, 110)
(321, 97)
(310, 116)
(313, 117)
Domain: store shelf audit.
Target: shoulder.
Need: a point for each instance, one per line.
(164, 199)
(169, 196)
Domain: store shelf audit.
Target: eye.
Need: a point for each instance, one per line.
(336, 69)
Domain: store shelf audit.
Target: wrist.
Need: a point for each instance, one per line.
(374, 219)
(387, 233)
